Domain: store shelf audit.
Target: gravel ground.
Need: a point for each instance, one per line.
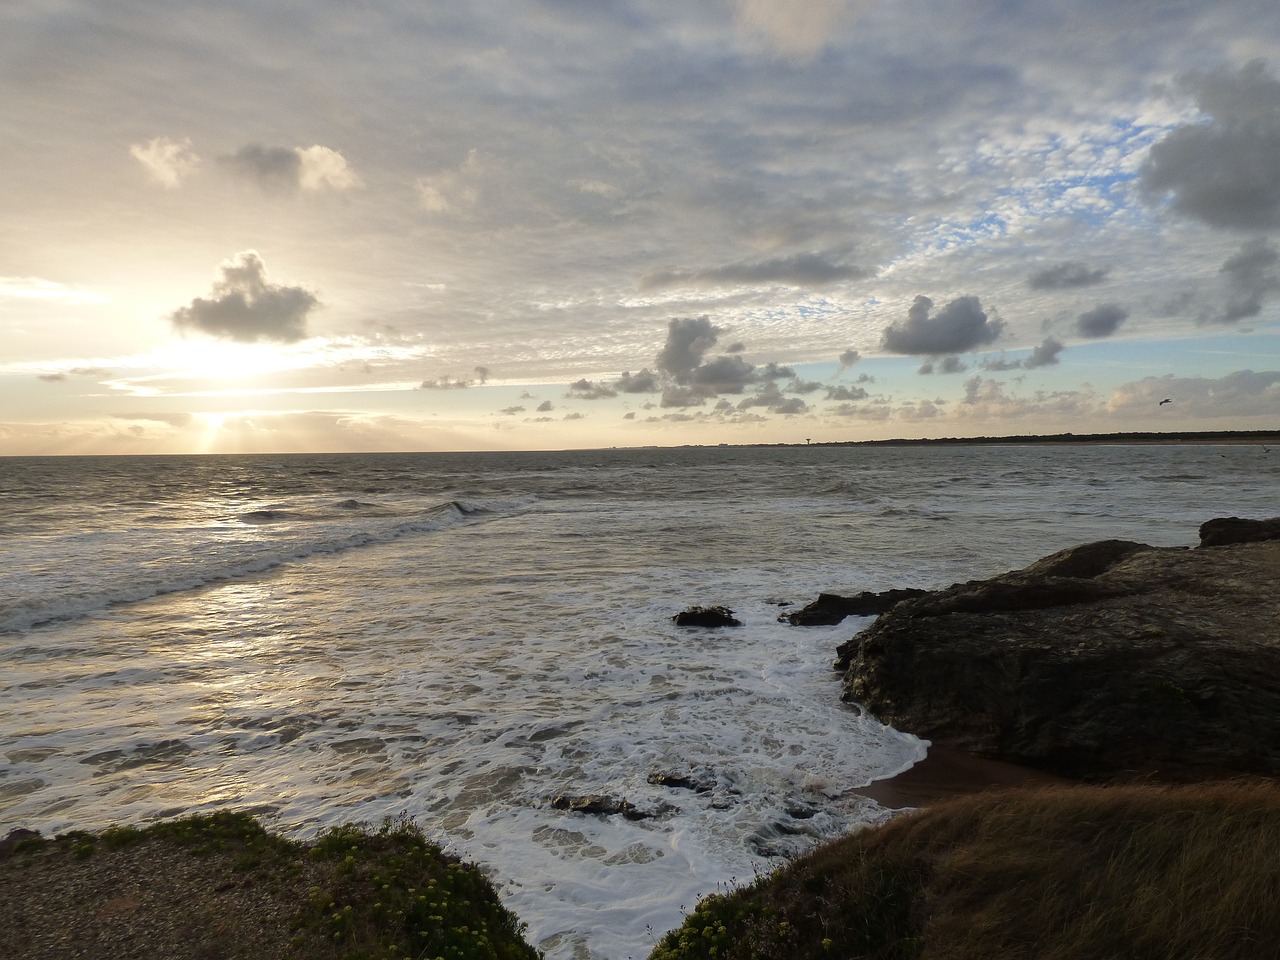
(152, 901)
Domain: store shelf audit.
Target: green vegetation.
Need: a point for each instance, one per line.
(369, 893)
(395, 894)
(1075, 873)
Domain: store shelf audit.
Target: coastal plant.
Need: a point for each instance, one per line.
(1065, 873)
(392, 893)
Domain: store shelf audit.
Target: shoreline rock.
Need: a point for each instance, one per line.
(1109, 661)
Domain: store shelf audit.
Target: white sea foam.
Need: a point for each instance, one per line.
(467, 668)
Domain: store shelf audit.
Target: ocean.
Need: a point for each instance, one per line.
(463, 638)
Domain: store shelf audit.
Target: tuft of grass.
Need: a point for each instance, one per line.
(381, 893)
(393, 893)
(1063, 873)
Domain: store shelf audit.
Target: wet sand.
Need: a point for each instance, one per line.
(947, 773)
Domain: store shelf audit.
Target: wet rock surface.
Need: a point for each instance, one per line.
(1113, 660)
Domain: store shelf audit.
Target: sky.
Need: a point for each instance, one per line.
(363, 225)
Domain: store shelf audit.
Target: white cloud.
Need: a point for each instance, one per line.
(166, 160)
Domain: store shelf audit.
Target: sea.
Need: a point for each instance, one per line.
(463, 638)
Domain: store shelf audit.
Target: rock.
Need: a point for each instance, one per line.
(678, 782)
(15, 838)
(1226, 530)
(706, 617)
(832, 608)
(604, 805)
(1110, 661)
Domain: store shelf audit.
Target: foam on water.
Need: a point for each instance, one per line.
(336, 662)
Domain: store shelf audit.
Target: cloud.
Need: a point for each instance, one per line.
(1237, 394)
(959, 326)
(283, 171)
(772, 371)
(1251, 277)
(804, 386)
(451, 190)
(443, 383)
(846, 393)
(796, 29)
(682, 397)
(688, 339)
(800, 270)
(1102, 321)
(1224, 172)
(61, 375)
(1066, 276)
(546, 406)
(1045, 354)
(646, 381)
(588, 390)
(482, 374)
(772, 398)
(245, 307)
(321, 168)
(511, 411)
(167, 161)
(728, 374)
(848, 359)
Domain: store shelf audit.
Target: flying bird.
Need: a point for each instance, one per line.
(1164, 401)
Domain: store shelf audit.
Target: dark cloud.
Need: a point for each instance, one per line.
(444, 383)
(804, 386)
(646, 381)
(772, 371)
(511, 411)
(546, 406)
(1045, 354)
(951, 364)
(589, 390)
(846, 393)
(246, 308)
(682, 397)
(849, 358)
(729, 374)
(1102, 321)
(800, 270)
(772, 398)
(276, 170)
(688, 340)
(1225, 172)
(1066, 276)
(1251, 277)
(959, 326)
(482, 374)
(999, 364)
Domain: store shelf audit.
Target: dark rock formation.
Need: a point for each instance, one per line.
(1224, 530)
(604, 805)
(831, 608)
(706, 617)
(679, 782)
(1109, 661)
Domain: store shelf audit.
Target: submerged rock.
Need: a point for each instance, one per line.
(831, 608)
(604, 805)
(1112, 660)
(706, 617)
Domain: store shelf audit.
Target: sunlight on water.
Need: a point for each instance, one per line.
(366, 646)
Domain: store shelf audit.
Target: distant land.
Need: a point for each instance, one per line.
(1263, 437)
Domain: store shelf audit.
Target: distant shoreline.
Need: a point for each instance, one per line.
(1262, 437)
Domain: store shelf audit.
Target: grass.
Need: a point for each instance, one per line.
(370, 893)
(1064, 873)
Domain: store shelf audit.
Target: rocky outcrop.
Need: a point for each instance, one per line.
(706, 617)
(1113, 660)
(1225, 530)
(831, 608)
